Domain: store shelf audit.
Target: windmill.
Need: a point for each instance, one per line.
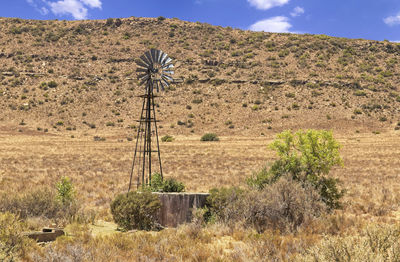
(155, 70)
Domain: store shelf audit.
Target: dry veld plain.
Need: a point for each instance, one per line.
(100, 169)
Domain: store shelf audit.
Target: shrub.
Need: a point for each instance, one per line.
(197, 101)
(136, 210)
(52, 84)
(99, 138)
(220, 204)
(209, 137)
(38, 203)
(172, 185)
(167, 185)
(307, 156)
(65, 191)
(109, 22)
(12, 244)
(283, 206)
(375, 243)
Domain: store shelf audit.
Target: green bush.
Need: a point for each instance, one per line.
(167, 185)
(209, 137)
(307, 156)
(167, 138)
(136, 210)
(65, 191)
(172, 185)
(52, 84)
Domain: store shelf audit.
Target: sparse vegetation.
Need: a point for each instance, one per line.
(166, 185)
(209, 137)
(167, 138)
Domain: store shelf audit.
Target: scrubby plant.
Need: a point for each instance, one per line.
(42, 202)
(13, 244)
(209, 137)
(52, 84)
(65, 191)
(284, 206)
(307, 156)
(219, 204)
(136, 210)
(172, 185)
(374, 243)
(158, 184)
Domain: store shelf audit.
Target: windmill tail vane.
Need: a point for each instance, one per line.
(155, 70)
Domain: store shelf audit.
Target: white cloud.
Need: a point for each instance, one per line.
(77, 8)
(277, 24)
(92, 3)
(297, 11)
(392, 20)
(43, 11)
(73, 7)
(267, 4)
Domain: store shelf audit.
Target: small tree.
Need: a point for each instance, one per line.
(307, 156)
(65, 191)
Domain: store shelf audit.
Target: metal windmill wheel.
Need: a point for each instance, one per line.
(155, 70)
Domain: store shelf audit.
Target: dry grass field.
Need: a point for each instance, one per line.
(100, 169)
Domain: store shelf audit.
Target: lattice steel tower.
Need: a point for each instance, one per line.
(155, 70)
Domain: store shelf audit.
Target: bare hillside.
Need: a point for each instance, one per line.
(76, 76)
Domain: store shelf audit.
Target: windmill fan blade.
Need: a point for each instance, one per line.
(163, 57)
(145, 70)
(147, 62)
(166, 58)
(162, 87)
(165, 82)
(141, 64)
(167, 61)
(153, 55)
(168, 66)
(167, 77)
(141, 76)
(168, 72)
(158, 55)
(148, 55)
(144, 79)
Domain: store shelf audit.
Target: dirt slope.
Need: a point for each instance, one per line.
(79, 77)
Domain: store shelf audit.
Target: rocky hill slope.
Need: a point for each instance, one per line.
(76, 76)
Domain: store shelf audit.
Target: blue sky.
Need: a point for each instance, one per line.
(368, 19)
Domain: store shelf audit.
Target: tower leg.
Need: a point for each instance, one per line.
(158, 143)
(136, 147)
